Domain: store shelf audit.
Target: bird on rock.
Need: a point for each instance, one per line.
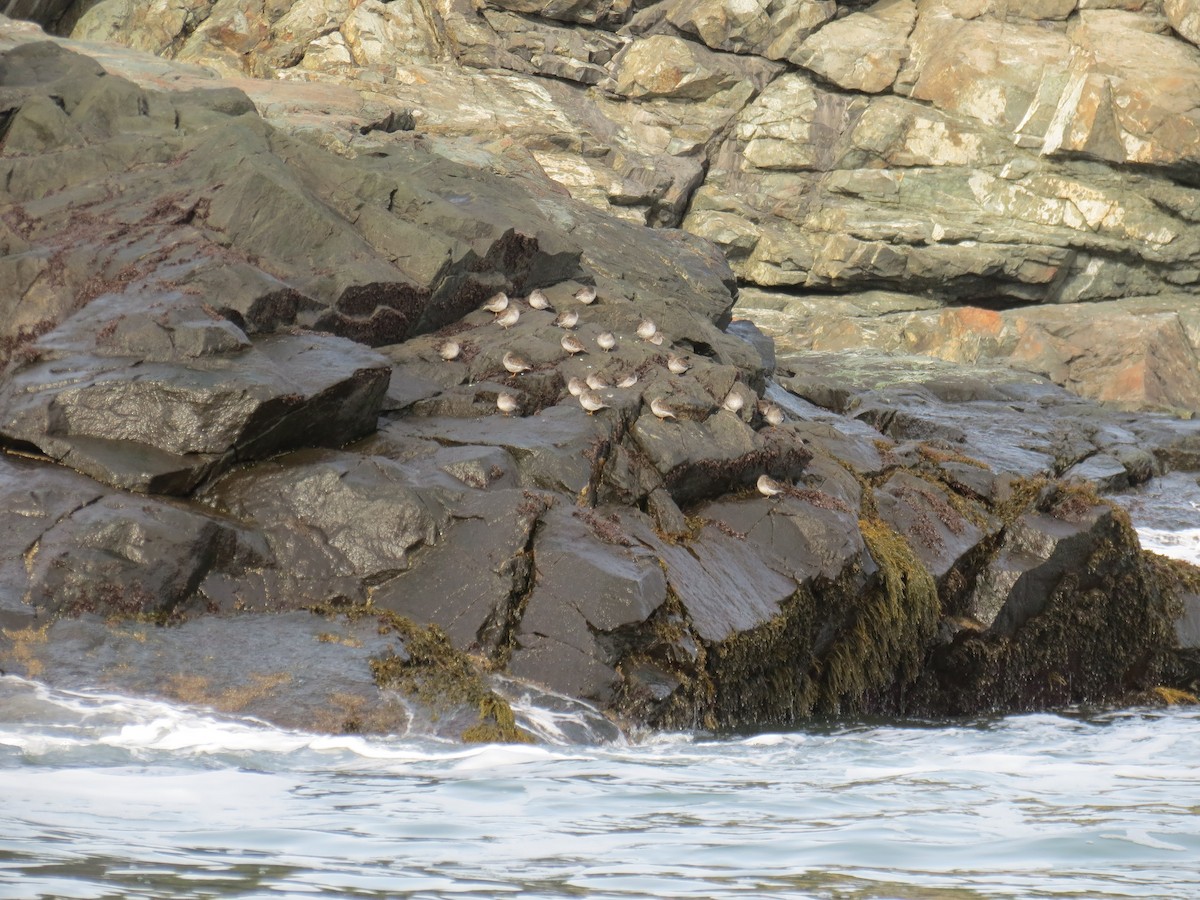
(576, 386)
(567, 319)
(591, 401)
(768, 486)
(538, 299)
(586, 295)
(659, 407)
(734, 401)
(606, 340)
(497, 303)
(646, 330)
(508, 318)
(514, 364)
(450, 350)
(628, 381)
(572, 344)
(506, 402)
(771, 413)
(677, 364)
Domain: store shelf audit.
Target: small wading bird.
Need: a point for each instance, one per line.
(538, 299)
(572, 344)
(606, 340)
(591, 401)
(656, 339)
(586, 295)
(768, 486)
(449, 350)
(515, 364)
(660, 409)
(506, 403)
(567, 319)
(677, 364)
(497, 303)
(628, 381)
(646, 330)
(596, 382)
(508, 318)
(734, 401)
(771, 413)
(576, 386)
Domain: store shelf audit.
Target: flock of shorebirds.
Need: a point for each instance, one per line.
(587, 390)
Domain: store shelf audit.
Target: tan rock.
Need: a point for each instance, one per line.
(769, 28)
(664, 66)
(1154, 365)
(383, 34)
(587, 12)
(1002, 74)
(1154, 81)
(155, 27)
(1184, 16)
(864, 51)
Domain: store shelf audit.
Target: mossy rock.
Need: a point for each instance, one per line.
(444, 681)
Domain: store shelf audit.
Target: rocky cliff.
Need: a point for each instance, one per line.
(268, 450)
(959, 152)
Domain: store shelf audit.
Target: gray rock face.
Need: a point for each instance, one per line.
(180, 420)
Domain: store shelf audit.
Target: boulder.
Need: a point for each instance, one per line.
(335, 522)
(836, 52)
(162, 425)
(1184, 16)
(1156, 365)
(593, 586)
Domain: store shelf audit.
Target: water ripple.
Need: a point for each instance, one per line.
(110, 797)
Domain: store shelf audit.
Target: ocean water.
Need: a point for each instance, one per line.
(111, 797)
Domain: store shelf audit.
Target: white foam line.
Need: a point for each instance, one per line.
(1183, 545)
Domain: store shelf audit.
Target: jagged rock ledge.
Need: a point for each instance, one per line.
(239, 472)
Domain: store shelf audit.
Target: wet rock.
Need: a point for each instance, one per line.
(1052, 638)
(335, 523)
(940, 534)
(549, 448)
(805, 533)
(712, 569)
(125, 557)
(1016, 424)
(33, 498)
(1187, 626)
(718, 455)
(1037, 551)
(478, 566)
(165, 425)
(296, 669)
(593, 583)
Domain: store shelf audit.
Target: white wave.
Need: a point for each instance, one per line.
(495, 756)
(38, 720)
(1183, 544)
(556, 718)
